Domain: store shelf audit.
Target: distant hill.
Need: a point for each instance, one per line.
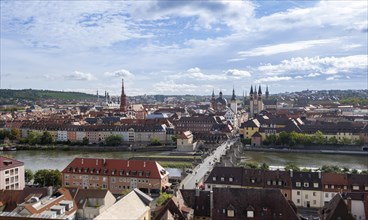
(33, 95)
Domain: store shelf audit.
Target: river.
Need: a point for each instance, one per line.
(37, 159)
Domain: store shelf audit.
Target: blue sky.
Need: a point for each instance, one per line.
(184, 47)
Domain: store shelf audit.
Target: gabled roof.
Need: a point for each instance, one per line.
(222, 175)
(83, 194)
(336, 208)
(7, 163)
(130, 206)
(198, 200)
(265, 204)
(170, 206)
(116, 167)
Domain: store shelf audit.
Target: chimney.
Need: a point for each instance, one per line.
(144, 163)
(291, 172)
(211, 203)
(96, 162)
(104, 162)
(197, 192)
(319, 174)
(349, 204)
(128, 163)
(49, 191)
(82, 161)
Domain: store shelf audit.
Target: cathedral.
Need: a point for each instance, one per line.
(256, 101)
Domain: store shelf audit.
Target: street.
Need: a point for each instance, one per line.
(189, 182)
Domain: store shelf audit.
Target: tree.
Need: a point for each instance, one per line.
(354, 171)
(319, 138)
(28, 175)
(246, 141)
(85, 141)
(34, 138)
(46, 138)
(155, 141)
(264, 166)
(114, 140)
(174, 138)
(284, 138)
(330, 169)
(14, 134)
(47, 177)
(333, 140)
(292, 166)
(252, 165)
(162, 198)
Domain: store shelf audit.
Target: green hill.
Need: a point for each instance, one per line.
(33, 95)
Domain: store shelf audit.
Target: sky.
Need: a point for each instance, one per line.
(183, 47)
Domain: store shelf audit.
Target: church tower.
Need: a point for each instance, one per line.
(233, 104)
(123, 103)
(267, 93)
(255, 103)
(213, 100)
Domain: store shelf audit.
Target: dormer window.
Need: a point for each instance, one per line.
(121, 172)
(222, 179)
(148, 173)
(214, 178)
(127, 173)
(230, 179)
(250, 214)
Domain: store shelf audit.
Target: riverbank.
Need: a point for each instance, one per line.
(94, 148)
(308, 151)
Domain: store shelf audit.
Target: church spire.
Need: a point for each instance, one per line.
(259, 90)
(233, 97)
(267, 93)
(251, 89)
(213, 93)
(123, 98)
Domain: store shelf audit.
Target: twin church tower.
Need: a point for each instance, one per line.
(256, 104)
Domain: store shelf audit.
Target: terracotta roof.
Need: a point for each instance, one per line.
(7, 163)
(116, 167)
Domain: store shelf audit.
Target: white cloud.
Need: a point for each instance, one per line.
(237, 74)
(171, 86)
(312, 75)
(273, 79)
(351, 15)
(298, 77)
(317, 65)
(283, 48)
(335, 77)
(195, 73)
(77, 75)
(120, 73)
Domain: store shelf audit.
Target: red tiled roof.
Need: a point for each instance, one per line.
(7, 163)
(116, 167)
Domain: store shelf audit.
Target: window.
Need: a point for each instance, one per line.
(326, 186)
(298, 184)
(315, 185)
(268, 182)
(66, 177)
(314, 193)
(298, 201)
(326, 195)
(332, 187)
(250, 214)
(306, 184)
(230, 179)
(355, 187)
(366, 188)
(298, 193)
(104, 179)
(314, 202)
(222, 179)
(230, 213)
(214, 178)
(113, 179)
(280, 183)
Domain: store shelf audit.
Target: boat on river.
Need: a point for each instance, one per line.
(9, 148)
